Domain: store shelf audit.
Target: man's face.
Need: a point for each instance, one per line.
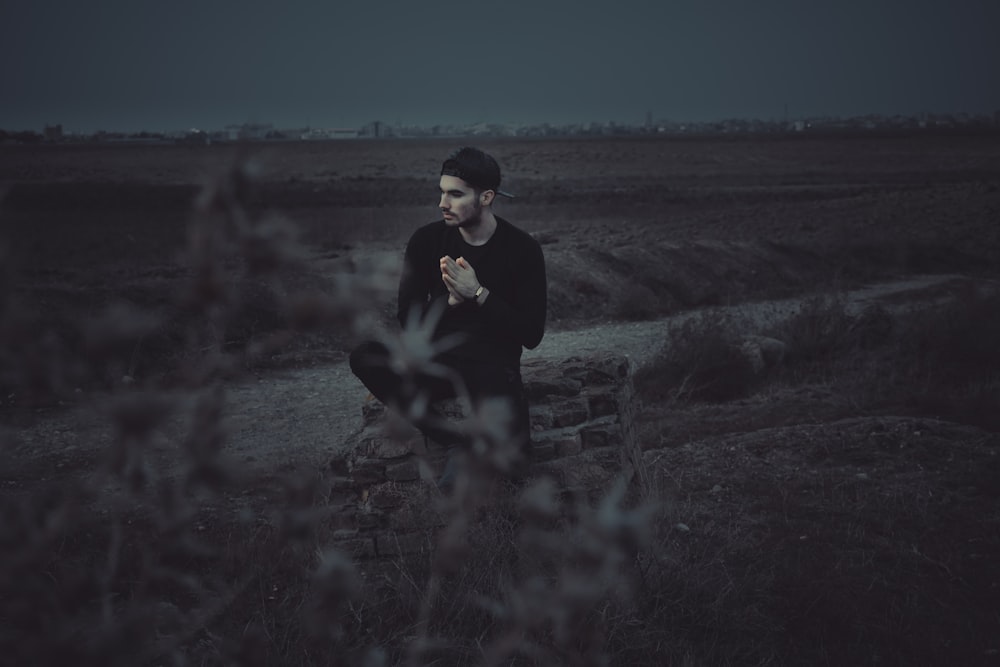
(459, 204)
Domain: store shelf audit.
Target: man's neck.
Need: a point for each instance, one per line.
(482, 231)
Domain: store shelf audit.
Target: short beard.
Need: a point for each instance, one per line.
(476, 219)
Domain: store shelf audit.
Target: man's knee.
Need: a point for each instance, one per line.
(367, 356)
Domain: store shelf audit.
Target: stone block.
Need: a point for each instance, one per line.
(598, 371)
(541, 388)
(558, 443)
(370, 519)
(383, 447)
(404, 471)
(601, 435)
(342, 534)
(569, 413)
(568, 446)
(357, 548)
(386, 496)
(365, 471)
(342, 496)
(543, 450)
(390, 544)
(543, 378)
(602, 404)
(540, 417)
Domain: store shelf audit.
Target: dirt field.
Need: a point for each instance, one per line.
(631, 227)
(639, 235)
(633, 230)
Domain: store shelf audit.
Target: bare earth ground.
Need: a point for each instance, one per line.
(631, 229)
(637, 234)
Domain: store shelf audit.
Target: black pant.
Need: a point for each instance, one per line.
(483, 379)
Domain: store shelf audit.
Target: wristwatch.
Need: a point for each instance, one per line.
(479, 293)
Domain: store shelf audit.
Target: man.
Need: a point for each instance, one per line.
(485, 280)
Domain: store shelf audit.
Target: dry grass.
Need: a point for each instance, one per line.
(850, 542)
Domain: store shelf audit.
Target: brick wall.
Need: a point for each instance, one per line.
(384, 497)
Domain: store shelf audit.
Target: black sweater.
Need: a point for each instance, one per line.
(510, 265)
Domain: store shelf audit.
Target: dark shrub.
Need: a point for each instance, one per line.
(818, 331)
(701, 361)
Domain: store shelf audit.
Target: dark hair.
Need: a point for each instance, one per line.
(473, 166)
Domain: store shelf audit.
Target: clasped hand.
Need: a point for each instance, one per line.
(460, 279)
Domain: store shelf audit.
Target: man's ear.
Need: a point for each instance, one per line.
(486, 198)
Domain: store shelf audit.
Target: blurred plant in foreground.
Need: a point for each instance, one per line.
(144, 562)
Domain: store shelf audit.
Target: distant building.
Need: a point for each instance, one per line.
(195, 137)
(324, 134)
(53, 133)
(254, 131)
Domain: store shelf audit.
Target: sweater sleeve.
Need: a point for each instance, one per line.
(414, 290)
(524, 318)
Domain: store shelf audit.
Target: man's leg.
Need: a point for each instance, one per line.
(370, 363)
(490, 380)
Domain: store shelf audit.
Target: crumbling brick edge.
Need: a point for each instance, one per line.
(582, 410)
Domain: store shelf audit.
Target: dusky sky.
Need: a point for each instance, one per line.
(133, 65)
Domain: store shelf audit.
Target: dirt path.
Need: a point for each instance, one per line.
(320, 407)
(641, 340)
(300, 417)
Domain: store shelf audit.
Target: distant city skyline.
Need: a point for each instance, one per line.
(268, 131)
(365, 128)
(121, 66)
